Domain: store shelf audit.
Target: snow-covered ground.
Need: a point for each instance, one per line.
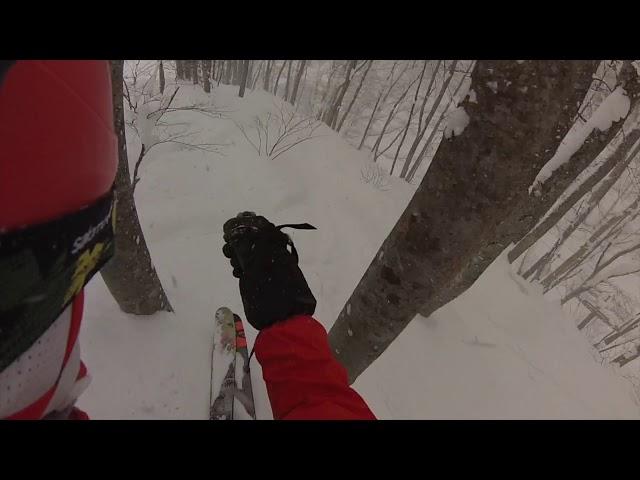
(498, 351)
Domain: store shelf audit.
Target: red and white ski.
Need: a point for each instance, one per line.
(227, 400)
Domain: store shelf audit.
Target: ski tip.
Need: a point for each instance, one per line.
(223, 312)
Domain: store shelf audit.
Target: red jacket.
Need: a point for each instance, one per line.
(304, 380)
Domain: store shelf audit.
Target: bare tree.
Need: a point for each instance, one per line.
(421, 130)
(274, 135)
(468, 207)
(434, 131)
(286, 88)
(595, 143)
(296, 84)
(408, 124)
(595, 240)
(355, 96)
(267, 75)
(228, 71)
(620, 159)
(179, 70)
(390, 117)
(243, 78)
(192, 68)
(257, 75)
(331, 115)
(378, 100)
(275, 85)
(130, 276)
(434, 108)
(161, 81)
(206, 68)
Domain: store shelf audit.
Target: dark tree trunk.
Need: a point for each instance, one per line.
(243, 77)
(469, 205)
(206, 67)
(286, 89)
(275, 85)
(296, 84)
(267, 76)
(179, 70)
(161, 81)
(256, 76)
(332, 116)
(130, 275)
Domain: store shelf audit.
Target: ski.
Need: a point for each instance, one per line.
(227, 401)
(244, 394)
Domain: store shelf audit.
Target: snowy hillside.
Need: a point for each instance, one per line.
(498, 351)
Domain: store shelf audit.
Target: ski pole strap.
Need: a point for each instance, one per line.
(298, 226)
(43, 267)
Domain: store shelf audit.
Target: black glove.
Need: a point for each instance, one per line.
(272, 285)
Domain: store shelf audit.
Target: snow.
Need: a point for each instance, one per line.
(613, 108)
(457, 121)
(498, 351)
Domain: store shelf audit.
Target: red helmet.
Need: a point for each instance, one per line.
(58, 150)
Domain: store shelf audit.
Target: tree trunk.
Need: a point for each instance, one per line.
(468, 206)
(622, 360)
(590, 149)
(619, 160)
(161, 81)
(179, 70)
(243, 78)
(613, 336)
(206, 67)
(392, 113)
(275, 86)
(332, 116)
(412, 171)
(266, 81)
(551, 280)
(227, 72)
(371, 117)
(587, 320)
(355, 95)
(434, 109)
(286, 89)
(249, 73)
(257, 75)
(194, 72)
(421, 130)
(408, 124)
(296, 84)
(130, 275)
(236, 72)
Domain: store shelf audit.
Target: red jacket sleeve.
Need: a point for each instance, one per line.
(304, 380)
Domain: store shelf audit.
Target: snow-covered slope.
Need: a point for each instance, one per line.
(496, 352)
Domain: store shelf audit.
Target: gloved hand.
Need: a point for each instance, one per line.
(272, 285)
